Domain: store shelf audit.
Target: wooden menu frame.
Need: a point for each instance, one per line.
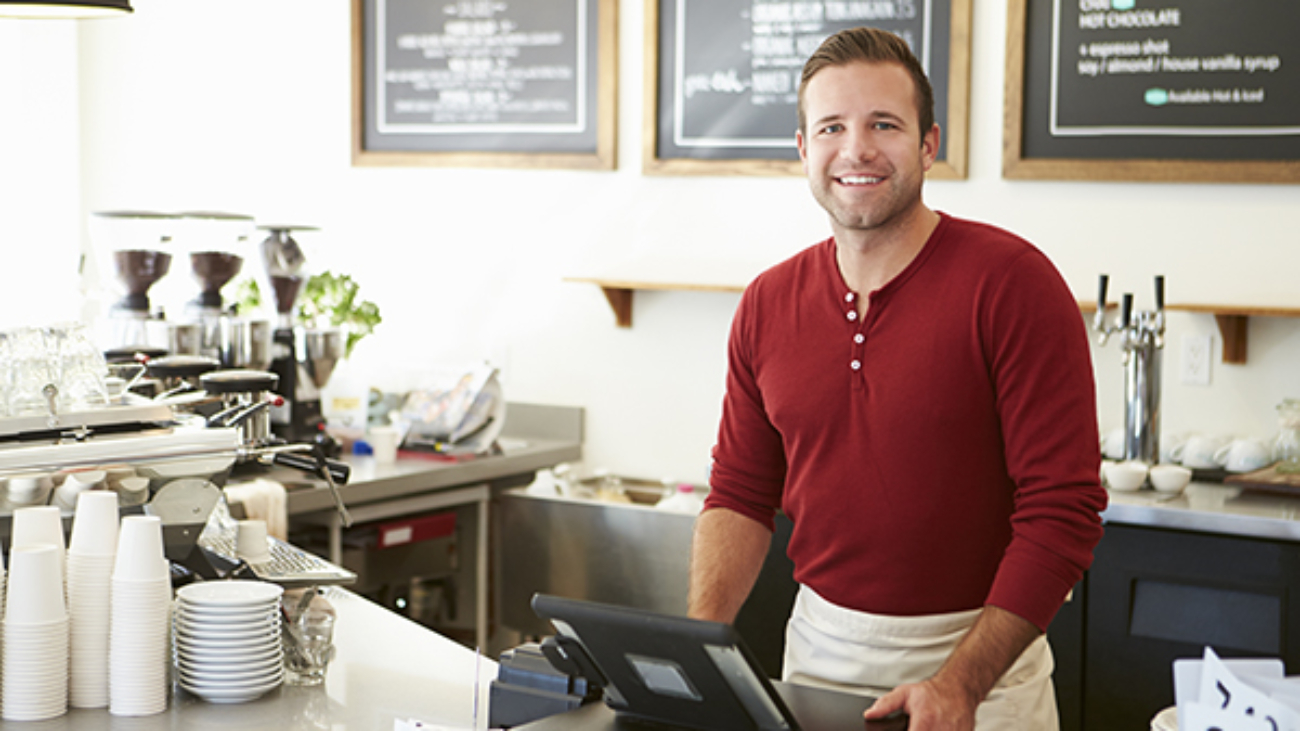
(955, 128)
(601, 156)
(1016, 165)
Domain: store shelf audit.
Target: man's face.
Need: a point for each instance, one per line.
(863, 151)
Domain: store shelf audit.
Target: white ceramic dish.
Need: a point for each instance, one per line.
(255, 645)
(1170, 478)
(233, 632)
(255, 653)
(226, 615)
(223, 679)
(1125, 476)
(219, 694)
(230, 593)
(226, 669)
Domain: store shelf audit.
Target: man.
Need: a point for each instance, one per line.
(916, 394)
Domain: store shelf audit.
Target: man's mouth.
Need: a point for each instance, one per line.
(859, 179)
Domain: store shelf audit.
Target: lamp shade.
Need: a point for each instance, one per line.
(63, 8)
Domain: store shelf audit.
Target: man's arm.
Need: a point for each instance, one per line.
(727, 554)
(948, 699)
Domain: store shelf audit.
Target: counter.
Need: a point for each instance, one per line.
(534, 437)
(1210, 508)
(387, 668)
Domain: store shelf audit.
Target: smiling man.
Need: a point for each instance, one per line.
(916, 394)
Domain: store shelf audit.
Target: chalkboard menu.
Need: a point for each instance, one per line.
(521, 83)
(1154, 90)
(722, 77)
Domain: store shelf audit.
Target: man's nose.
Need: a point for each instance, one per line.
(859, 144)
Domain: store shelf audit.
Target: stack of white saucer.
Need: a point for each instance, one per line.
(92, 551)
(138, 646)
(228, 639)
(35, 636)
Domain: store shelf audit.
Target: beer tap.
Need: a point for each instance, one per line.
(1142, 337)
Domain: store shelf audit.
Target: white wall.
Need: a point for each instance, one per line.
(244, 105)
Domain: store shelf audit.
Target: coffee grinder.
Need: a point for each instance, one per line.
(217, 245)
(303, 358)
(135, 247)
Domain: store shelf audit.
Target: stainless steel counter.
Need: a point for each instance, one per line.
(535, 437)
(387, 669)
(1210, 508)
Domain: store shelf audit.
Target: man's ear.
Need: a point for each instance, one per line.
(929, 147)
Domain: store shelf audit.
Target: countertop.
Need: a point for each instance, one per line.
(1210, 508)
(387, 669)
(534, 437)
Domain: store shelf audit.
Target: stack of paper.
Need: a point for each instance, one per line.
(1235, 695)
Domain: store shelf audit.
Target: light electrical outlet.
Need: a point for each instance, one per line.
(1197, 354)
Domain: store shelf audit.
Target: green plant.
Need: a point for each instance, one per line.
(329, 299)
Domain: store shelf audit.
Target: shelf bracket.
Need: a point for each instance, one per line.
(620, 300)
(1233, 330)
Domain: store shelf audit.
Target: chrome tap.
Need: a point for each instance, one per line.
(1142, 337)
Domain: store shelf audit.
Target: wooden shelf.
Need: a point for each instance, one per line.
(619, 291)
(1231, 319)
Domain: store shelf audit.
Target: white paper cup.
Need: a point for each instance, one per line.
(383, 442)
(35, 592)
(95, 524)
(251, 542)
(38, 524)
(140, 549)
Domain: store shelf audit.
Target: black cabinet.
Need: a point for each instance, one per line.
(1155, 595)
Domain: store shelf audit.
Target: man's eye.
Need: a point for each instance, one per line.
(832, 128)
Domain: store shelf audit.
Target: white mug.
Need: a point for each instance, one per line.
(251, 542)
(1244, 455)
(1169, 444)
(1199, 451)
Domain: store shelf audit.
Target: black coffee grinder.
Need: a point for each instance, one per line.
(135, 248)
(303, 358)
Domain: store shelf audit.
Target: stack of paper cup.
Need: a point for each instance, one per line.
(139, 636)
(91, 555)
(37, 526)
(35, 636)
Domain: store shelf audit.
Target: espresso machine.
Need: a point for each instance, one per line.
(303, 358)
(1142, 337)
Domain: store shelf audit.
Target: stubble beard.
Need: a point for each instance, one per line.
(901, 197)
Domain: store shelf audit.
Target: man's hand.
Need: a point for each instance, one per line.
(928, 705)
(948, 700)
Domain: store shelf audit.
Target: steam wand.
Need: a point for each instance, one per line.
(1142, 337)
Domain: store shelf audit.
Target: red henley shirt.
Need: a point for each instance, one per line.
(937, 455)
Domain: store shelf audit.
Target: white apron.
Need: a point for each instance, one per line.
(855, 652)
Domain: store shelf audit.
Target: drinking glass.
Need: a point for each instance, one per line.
(308, 646)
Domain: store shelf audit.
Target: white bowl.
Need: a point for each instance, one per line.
(1170, 478)
(1125, 476)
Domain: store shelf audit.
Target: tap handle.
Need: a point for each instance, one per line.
(1126, 310)
(1160, 292)
(1102, 284)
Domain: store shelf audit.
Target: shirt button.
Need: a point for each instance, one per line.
(848, 297)
(852, 315)
(855, 365)
(858, 338)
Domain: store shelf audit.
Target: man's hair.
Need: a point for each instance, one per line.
(871, 45)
